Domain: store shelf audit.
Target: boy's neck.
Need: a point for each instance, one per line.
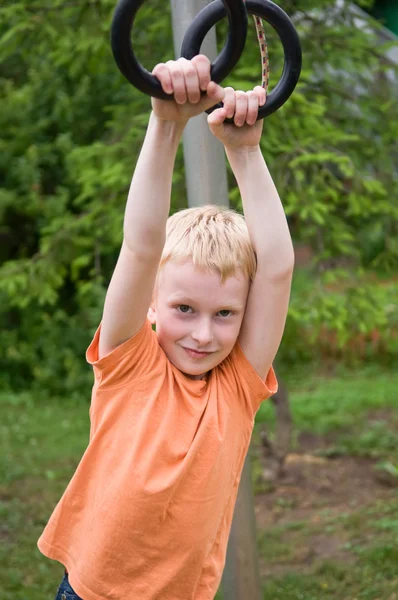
(196, 377)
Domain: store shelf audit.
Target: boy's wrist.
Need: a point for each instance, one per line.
(166, 126)
(242, 150)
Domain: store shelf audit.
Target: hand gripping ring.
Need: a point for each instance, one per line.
(236, 11)
(143, 80)
(279, 20)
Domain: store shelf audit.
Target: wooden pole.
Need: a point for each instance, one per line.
(206, 181)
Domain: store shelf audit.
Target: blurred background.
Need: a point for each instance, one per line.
(71, 129)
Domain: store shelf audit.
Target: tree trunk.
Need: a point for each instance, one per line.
(274, 453)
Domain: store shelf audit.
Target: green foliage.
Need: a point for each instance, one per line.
(340, 409)
(344, 314)
(71, 129)
(70, 132)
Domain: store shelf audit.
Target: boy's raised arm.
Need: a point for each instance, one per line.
(130, 290)
(268, 299)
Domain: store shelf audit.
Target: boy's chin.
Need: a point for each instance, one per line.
(193, 371)
(198, 372)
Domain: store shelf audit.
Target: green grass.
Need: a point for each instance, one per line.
(358, 412)
(373, 577)
(340, 405)
(43, 439)
(371, 537)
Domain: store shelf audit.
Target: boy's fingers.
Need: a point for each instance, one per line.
(240, 108)
(178, 81)
(229, 102)
(252, 107)
(217, 117)
(202, 65)
(191, 80)
(215, 91)
(187, 78)
(163, 74)
(262, 96)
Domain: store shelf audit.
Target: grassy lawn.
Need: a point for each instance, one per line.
(329, 529)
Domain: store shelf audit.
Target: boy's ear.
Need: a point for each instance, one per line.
(151, 314)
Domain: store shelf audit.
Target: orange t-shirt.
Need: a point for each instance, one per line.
(147, 514)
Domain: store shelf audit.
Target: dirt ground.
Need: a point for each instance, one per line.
(312, 487)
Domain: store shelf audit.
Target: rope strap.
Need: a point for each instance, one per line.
(264, 52)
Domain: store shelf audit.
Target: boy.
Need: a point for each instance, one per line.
(148, 512)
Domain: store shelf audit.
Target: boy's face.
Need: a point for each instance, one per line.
(194, 311)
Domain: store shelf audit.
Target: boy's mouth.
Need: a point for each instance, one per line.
(196, 353)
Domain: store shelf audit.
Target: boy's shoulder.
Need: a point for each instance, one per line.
(131, 360)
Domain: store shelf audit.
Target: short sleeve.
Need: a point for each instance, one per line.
(251, 388)
(133, 359)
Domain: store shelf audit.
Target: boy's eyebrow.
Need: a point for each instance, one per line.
(186, 300)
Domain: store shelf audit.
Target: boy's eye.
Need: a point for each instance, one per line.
(184, 308)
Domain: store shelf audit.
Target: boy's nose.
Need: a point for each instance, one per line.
(203, 334)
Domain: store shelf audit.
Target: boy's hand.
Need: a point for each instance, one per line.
(187, 79)
(243, 107)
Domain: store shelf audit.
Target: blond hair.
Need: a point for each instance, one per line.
(213, 238)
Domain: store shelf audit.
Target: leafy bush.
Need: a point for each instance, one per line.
(70, 132)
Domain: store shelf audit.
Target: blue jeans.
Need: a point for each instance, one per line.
(65, 591)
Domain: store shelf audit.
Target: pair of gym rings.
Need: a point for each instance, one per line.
(236, 12)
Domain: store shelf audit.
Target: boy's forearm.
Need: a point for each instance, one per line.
(264, 214)
(148, 202)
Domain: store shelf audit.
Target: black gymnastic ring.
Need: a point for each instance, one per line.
(279, 20)
(143, 80)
